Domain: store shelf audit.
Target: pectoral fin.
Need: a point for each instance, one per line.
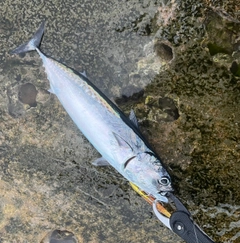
(100, 162)
(122, 143)
(51, 91)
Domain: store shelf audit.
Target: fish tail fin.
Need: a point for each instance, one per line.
(33, 43)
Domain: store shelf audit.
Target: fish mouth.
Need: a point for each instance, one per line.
(165, 189)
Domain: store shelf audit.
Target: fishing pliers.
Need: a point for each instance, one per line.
(180, 221)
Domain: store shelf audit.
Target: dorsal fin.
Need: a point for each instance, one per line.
(133, 118)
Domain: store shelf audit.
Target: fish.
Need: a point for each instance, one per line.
(115, 136)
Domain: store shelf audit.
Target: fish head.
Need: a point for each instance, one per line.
(163, 181)
(163, 185)
(149, 175)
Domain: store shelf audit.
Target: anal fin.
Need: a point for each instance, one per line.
(100, 162)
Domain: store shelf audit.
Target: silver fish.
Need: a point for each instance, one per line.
(116, 137)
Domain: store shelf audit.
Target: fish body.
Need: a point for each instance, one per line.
(116, 137)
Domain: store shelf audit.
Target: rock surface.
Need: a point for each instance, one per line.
(175, 62)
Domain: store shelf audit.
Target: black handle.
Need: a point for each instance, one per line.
(183, 226)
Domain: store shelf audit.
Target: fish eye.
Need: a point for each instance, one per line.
(164, 181)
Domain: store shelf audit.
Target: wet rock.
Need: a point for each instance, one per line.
(235, 69)
(160, 109)
(59, 236)
(27, 94)
(156, 58)
(222, 33)
(15, 108)
(167, 105)
(164, 51)
(189, 112)
(202, 146)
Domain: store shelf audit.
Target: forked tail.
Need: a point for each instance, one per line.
(33, 43)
